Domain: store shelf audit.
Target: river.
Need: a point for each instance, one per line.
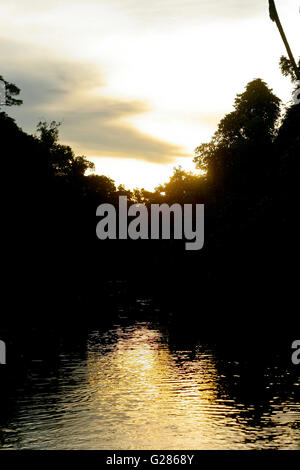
(131, 387)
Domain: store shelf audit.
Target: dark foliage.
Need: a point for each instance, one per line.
(57, 267)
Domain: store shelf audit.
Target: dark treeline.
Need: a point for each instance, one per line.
(56, 270)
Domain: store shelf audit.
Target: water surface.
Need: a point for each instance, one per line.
(130, 387)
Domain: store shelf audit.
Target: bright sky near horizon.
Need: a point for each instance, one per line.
(139, 84)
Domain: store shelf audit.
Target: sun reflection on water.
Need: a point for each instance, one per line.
(132, 388)
(155, 394)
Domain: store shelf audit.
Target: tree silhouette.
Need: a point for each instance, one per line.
(183, 187)
(61, 157)
(240, 149)
(248, 184)
(11, 91)
(288, 69)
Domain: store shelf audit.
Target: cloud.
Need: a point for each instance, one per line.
(173, 54)
(180, 8)
(101, 133)
(68, 91)
(155, 8)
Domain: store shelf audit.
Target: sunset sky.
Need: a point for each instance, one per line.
(139, 84)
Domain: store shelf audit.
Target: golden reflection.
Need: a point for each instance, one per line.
(133, 391)
(154, 398)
